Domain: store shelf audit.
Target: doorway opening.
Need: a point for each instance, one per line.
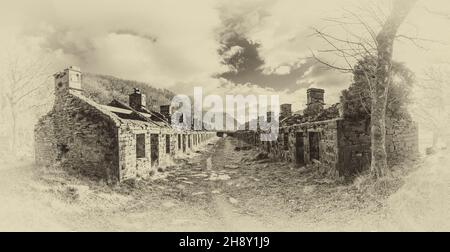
(299, 148)
(314, 146)
(154, 143)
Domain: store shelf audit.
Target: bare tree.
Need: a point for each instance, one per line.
(378, 31)
(433, 107)
(24, 76)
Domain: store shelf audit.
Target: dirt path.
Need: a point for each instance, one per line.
(225, 205)
(423, 203)
(219, 188)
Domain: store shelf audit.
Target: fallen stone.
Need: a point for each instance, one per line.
(187, 182)
(215, 191)
(208, 164)
(76, 191)
(231, 166)
(215, 177)
(233, 200)
(240, 148)
(198, 193)
(315, 161)
(261, 156)
(181, 187)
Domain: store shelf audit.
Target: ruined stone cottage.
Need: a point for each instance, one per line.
(113, 142)
(339, 145)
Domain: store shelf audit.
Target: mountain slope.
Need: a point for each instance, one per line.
(104, 88)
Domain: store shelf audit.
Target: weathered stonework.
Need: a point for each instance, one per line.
(100, 141)
(339, 146)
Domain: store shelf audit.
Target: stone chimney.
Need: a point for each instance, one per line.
(285, 110)
(166, 111)
(69, 79)
(315, 100)
(137, 100)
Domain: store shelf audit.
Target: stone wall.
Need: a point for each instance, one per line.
(355, 143)
(354, 146)
(79, 137)
(130, 165)
(402, 140)
(285, 147)
(45, 142)
(133, 167)
(84, 140)
(84, 137)
(344, 145)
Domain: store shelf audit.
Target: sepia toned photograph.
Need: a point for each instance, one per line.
(225, 116)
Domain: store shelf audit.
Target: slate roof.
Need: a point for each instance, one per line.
(121, 113)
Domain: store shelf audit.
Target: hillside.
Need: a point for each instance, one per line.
(104, 88)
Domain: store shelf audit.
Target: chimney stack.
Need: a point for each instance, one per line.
(137, 100)
(166, 111)
(315, 99)
(69, 79)
(285, 110)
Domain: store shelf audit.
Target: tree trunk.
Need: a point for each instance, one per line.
(378, 134)
(382, 79)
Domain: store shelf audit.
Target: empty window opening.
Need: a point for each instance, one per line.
(179, 141)
(299, 148)
(167, 143)
(140, 146)
(62, 150)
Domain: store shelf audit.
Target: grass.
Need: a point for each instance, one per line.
(261, 193)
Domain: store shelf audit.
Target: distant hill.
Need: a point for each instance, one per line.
(104, 88)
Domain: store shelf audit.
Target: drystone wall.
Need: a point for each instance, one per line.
(294, 144)
(402, 140)
(79, 137)
(344, 146)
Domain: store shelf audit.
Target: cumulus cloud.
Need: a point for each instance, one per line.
(255, 46)
(155, 41)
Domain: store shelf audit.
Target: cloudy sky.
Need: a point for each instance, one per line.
(227, 47)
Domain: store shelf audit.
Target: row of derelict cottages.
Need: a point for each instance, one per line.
(113, 142)
(337, 144)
